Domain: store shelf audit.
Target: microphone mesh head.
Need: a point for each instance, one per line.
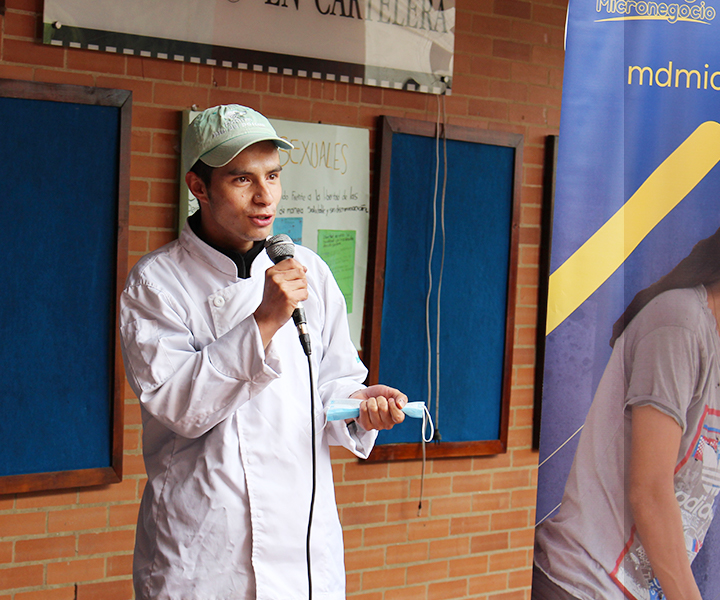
(279, 247)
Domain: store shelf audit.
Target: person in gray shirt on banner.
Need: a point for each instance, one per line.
(639, 498)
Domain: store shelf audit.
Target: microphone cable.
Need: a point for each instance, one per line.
(281, 247)
(314, 476)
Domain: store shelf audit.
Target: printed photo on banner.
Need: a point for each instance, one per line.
(632, 367)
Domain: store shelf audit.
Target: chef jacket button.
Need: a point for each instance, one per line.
(218, 301)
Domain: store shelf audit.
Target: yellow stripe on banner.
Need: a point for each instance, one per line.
(598, 258)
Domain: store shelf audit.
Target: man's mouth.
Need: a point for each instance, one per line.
(262, 220)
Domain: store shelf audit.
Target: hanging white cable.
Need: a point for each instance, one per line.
(442, 268)
(430, 259)
(427, 303)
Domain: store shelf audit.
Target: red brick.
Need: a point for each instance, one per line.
(17, 51)
(160, 238)
(6, 552)
(77, 519)
(488, 109)
(427, 572)
(447, 589)
(407, 553)
(360, 515)
(362, 471)
(26, 5)
(528, 73)
(133, 464)
(157, 216)
(523, 538)
(402, 511)
(361, 560)
(365, 595)
(123, 515)
(165, 192)
(492, 26)
(450, 506)
(383, 578)
(471, 565)
(155, 68)
(350, 494)
(110, 590)
(387, 490)
(511, 479)
(449, 547)
(21, 25)
(75, 571)
(512, 50)
(95, 60)
(166, 143)
(152, 117)
(513, 8)
(385, 535)
(429, 529)
(106, 542)
(44, 549)
(491, 501)
(513, 559)
(434, 486)
(140, 142)
(469, 525)
(184, 96)
(487, 583)
(490, 542)
(16, 72)
(21, 577)
(406, 593)
(155, 167)
(17, 524)
(550, 15)
(61, 593)
(353, 538)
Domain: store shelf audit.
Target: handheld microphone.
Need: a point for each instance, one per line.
(279, 247)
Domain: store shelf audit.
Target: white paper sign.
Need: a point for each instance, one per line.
(392, 43)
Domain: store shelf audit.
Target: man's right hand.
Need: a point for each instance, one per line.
(285, 287)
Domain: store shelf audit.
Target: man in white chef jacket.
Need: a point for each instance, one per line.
(223, 383)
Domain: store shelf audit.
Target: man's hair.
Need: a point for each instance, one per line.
(203, 171)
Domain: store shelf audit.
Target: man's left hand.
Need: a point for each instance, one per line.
(381, 407)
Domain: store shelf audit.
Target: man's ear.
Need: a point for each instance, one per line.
(196, 186)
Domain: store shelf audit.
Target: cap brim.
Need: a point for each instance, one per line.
(225, 152)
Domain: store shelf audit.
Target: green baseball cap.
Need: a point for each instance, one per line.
(219, 134)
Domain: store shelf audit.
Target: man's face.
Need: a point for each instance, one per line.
(239, 207)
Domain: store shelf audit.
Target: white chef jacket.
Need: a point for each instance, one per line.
(226, 429)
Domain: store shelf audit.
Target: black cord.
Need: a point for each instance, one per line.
(314, 469)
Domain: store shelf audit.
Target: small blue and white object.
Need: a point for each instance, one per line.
(349, 408)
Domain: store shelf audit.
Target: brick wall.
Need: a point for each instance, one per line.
(474, 539)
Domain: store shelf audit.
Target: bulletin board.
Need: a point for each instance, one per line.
(64, 163)
(480, 171)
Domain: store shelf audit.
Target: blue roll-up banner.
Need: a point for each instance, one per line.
(637, 186)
